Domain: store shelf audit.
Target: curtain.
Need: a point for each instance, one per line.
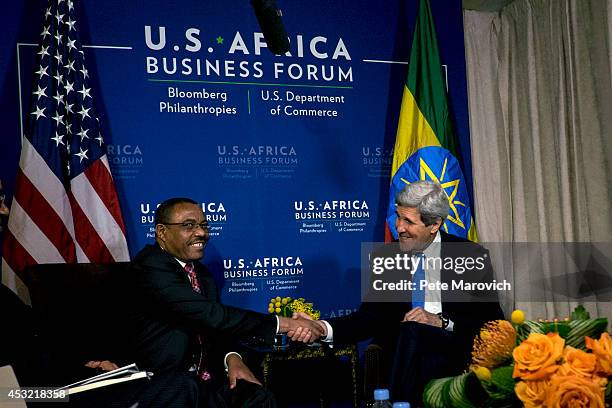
(540, 97)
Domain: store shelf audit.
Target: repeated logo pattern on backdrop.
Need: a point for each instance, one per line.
(290, 156)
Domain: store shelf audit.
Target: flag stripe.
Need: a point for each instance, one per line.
(100, 178)
(87, 236)
(45, 218)
(42, 178)
(40, 248)
(19, 257)
(12, 281)
(97, 215)
(425, 66)
(413, 131)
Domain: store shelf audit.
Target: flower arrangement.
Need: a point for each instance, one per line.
(528, 363)
(287, 306)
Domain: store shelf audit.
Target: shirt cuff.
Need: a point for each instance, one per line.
(329, 338)
(450, 326)
(225, 359)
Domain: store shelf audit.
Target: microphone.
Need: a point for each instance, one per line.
(269, 19)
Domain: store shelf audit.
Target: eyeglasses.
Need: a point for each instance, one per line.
(189, 226)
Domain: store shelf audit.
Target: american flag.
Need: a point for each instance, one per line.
(65, 207)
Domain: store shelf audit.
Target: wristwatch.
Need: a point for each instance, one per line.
(444, 320)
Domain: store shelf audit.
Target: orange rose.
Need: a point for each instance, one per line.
(602, 348)
(574, 391)
(536, 357)
(531, 393)
(578, 362)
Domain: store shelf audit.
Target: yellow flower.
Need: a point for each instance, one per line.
(494, 344)
(277, 310)
(517, 317)
(577, 362)
(602, 348)
(574, 391)
(483, 373)
(278, 298)
(531, 393)
(277, 304)
(536, 357)
(270, 310)
(284, 301)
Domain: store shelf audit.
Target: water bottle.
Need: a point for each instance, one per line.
(401, 405)
(381, 398)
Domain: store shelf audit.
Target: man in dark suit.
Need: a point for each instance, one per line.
(425, 333)
(178, 326)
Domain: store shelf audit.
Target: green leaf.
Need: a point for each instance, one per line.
(432, 395)
(563, 328)
(528, 327)
(581, 328)
(580, 313)
(457, 393)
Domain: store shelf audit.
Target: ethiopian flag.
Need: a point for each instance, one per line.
(425, 141)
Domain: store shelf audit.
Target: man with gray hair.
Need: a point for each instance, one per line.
(428, 333)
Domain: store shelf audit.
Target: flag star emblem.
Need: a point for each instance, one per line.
(58, 139)
(85, 92)
(83, 134)
(39, 112)
(58, 38)
(45, 32)
(58, 118)
(69, 107)
(82, 154)
(43, 51)
(70, 5)
(48, 12)
(68, 128)
(70, 66)
(84, 112)
(59, 97)
(99, 138)
(58, 57)
(68, 87)
(59, 17)
(84, 72)
(40, 92)
(70, 23)
(42, 71)
(71, 45)
(59, 78)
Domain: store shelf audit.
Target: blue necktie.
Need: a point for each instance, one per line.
(418, 295)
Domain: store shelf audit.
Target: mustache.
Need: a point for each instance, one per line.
(204, 242)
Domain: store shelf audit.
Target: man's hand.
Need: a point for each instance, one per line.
(301, 329)
(102, 365)
(420, 315)
(236, 369)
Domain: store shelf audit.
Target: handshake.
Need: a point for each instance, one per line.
(302, 328)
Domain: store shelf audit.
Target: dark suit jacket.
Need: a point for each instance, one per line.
(166, 315)
(381, 320)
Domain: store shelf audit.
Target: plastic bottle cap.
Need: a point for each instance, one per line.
(401, 405)
(381, 394)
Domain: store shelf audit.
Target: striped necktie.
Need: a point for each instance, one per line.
(203, 374)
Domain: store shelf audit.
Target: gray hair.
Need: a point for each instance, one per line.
(428, 197)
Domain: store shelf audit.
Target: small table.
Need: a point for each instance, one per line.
(322, 356)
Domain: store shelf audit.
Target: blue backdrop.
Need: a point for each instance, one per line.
(289, 155)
